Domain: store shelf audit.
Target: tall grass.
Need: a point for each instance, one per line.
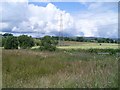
(27, 68)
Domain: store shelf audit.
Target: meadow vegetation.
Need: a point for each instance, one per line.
(87, 45)
(59, 69)
(45, 63)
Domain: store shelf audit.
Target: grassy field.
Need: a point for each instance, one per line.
(87, 45)
(59, 69)
(0, 63)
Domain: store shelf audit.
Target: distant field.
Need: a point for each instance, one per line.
(59, 69)
(87, 45)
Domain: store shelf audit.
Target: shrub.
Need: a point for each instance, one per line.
(48, 43)
(11, 42)
(25, 41)
(37, 42)
(7, 34)
(3, 41)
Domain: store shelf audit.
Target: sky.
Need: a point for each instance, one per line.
(89, 19)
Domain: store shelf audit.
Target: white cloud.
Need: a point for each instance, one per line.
(91, 24)
(39, 19)
(98, 21)
(14, 1)
(3, 25)
(30, 18)
(87, 27)
(13, 12)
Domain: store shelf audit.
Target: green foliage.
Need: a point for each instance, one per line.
(11, 42)
(109, 51)
(106, 40)
(59, 69)
(7, 34)
(80, 39)
(48, 43)
(4, 37)
(3, 41)
(25, 41)
(37, 42)
(0, 40)
(87, 39)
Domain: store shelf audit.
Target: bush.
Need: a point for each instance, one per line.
(110, 51)
(25, 41)
(11, 42)
(37, 42)
(0, 40)
(7, 35)
(48, 43)
(3, 41)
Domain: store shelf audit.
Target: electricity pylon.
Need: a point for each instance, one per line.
(61, 36)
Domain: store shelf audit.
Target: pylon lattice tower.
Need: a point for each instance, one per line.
(61, 35)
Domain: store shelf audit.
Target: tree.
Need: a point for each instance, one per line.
(102, 40)
(7, 34)
(37, 42)
(25, 41)
(0, 40)
(11, 42)
(3, 41)
(48, 43)
(80, 39)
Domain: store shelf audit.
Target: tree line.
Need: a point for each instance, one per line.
(84, 39)
(46, 43)
(13, 42)
(26, 42)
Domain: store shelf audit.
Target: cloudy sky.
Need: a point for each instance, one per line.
(90, 19)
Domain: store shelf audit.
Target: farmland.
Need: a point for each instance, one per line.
(59, 44)
(59, 69)
(87, 45)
